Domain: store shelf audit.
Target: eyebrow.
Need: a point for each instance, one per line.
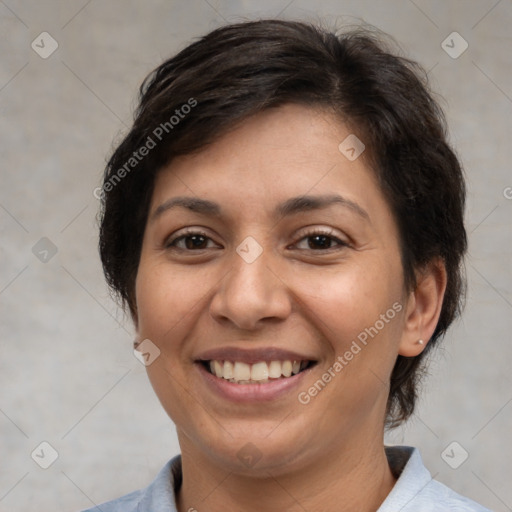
(289, 207)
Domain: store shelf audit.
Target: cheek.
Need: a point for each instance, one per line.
(344, 302)
(359, 314)
(165, 296)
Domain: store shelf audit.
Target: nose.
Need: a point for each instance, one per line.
(251, 294)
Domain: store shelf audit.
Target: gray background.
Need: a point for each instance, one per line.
(67, 372)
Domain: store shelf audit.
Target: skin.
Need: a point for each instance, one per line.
(296, 295)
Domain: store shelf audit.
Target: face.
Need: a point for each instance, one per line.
(247, 270)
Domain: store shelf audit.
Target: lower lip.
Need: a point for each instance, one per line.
(270, 390)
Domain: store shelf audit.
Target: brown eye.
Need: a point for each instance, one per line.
(321, 241)
(189, 241)
(194, 241)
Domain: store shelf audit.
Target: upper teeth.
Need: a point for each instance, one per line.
(262, 371)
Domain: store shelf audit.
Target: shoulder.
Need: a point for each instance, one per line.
(158, 496)
(416, 490)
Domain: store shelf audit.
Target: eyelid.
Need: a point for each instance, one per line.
(313, 230)
(182, 233)
(326, 231)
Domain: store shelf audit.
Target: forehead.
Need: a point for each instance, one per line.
(280, 153)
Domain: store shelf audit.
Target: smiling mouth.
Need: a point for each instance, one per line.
(258, 373)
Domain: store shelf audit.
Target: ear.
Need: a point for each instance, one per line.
(423, 308)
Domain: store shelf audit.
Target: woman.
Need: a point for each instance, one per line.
(284, 222)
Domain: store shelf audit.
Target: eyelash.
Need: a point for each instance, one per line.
(322, 232)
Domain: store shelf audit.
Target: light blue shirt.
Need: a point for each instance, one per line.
(414, 491)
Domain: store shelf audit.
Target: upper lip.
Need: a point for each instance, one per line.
(253, 355)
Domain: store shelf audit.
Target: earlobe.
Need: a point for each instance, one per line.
(423, 309)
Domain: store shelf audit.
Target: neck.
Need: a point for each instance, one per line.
(358, 480)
